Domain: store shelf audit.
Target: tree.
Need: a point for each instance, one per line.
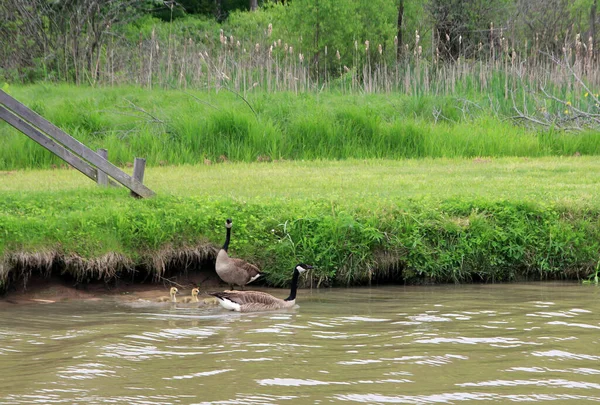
(399, 43)
(460, 25)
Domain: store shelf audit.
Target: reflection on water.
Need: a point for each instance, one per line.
(414, 345)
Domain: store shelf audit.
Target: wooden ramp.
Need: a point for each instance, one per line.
(68, 148)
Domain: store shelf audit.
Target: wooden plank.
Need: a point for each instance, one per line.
(102, 177)
(74, 145)
(48, 143)
(139, 165)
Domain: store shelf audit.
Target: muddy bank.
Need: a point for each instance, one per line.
(49, 276)
(48, 290)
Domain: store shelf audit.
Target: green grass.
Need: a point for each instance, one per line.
(286, 126)
(438, 220)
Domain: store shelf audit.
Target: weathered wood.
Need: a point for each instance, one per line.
(74, 145)
(102, 177)
(48, 143)
(139, 165)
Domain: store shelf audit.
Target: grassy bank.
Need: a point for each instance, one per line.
(437, 220)
(177, 127)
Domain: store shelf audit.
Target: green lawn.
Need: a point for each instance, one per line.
(573, 181)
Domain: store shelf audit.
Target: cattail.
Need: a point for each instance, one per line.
(420, 50)
(291, 50)
(238, 44)
(325, 50)
(380, 49)
(279, 42)
(231, 39)
(285, 48)
(337, 54)
(447, 38)
(480, 47)
(274, 44)
(221, 36)
(257, 47)
(269, 29)
(417, 38)
(367, 45)
(396, 40)
(460, 39)
(346, 69)
(356, 45)
(301, 57)
(270, 50)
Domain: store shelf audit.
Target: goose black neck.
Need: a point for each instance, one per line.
(226, 244)
(294, 286)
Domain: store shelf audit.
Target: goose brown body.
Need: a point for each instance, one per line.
(234, 271)
(256, 301)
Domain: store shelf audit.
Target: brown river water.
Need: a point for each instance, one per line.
(503, 343)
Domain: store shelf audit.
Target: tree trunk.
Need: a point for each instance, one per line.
(253, 5)
(593, 23)
(399, 29)
(219, 10)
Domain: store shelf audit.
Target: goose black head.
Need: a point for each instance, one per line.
(301, 267)
(228, 223)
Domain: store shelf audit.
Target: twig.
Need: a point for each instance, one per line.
(242, 97)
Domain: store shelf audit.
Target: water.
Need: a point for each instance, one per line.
(416, 345)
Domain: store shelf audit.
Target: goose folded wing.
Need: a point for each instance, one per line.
(248, 297)
(250, 268)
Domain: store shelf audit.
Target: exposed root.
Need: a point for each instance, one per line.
(18, 267)
(105, 268)
(181, 259)
(388, 266)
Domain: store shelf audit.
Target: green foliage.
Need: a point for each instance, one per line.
(311, 26)
(452, 240)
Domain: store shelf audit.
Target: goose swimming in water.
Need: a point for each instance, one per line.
(234, 271)
(171, 297)
(193, 298)
(254, 301)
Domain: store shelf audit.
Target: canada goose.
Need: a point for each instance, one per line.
(192, 298)
(254, 301)
(171, 298)
(234, 271)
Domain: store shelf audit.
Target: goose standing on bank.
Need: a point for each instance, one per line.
(255, 301)
(171, 297)
(234, 271)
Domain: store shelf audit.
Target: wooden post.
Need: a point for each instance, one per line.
(102, 177)
(63, 145)
(139, 165)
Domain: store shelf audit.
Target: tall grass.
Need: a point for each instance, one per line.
(194, 127)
